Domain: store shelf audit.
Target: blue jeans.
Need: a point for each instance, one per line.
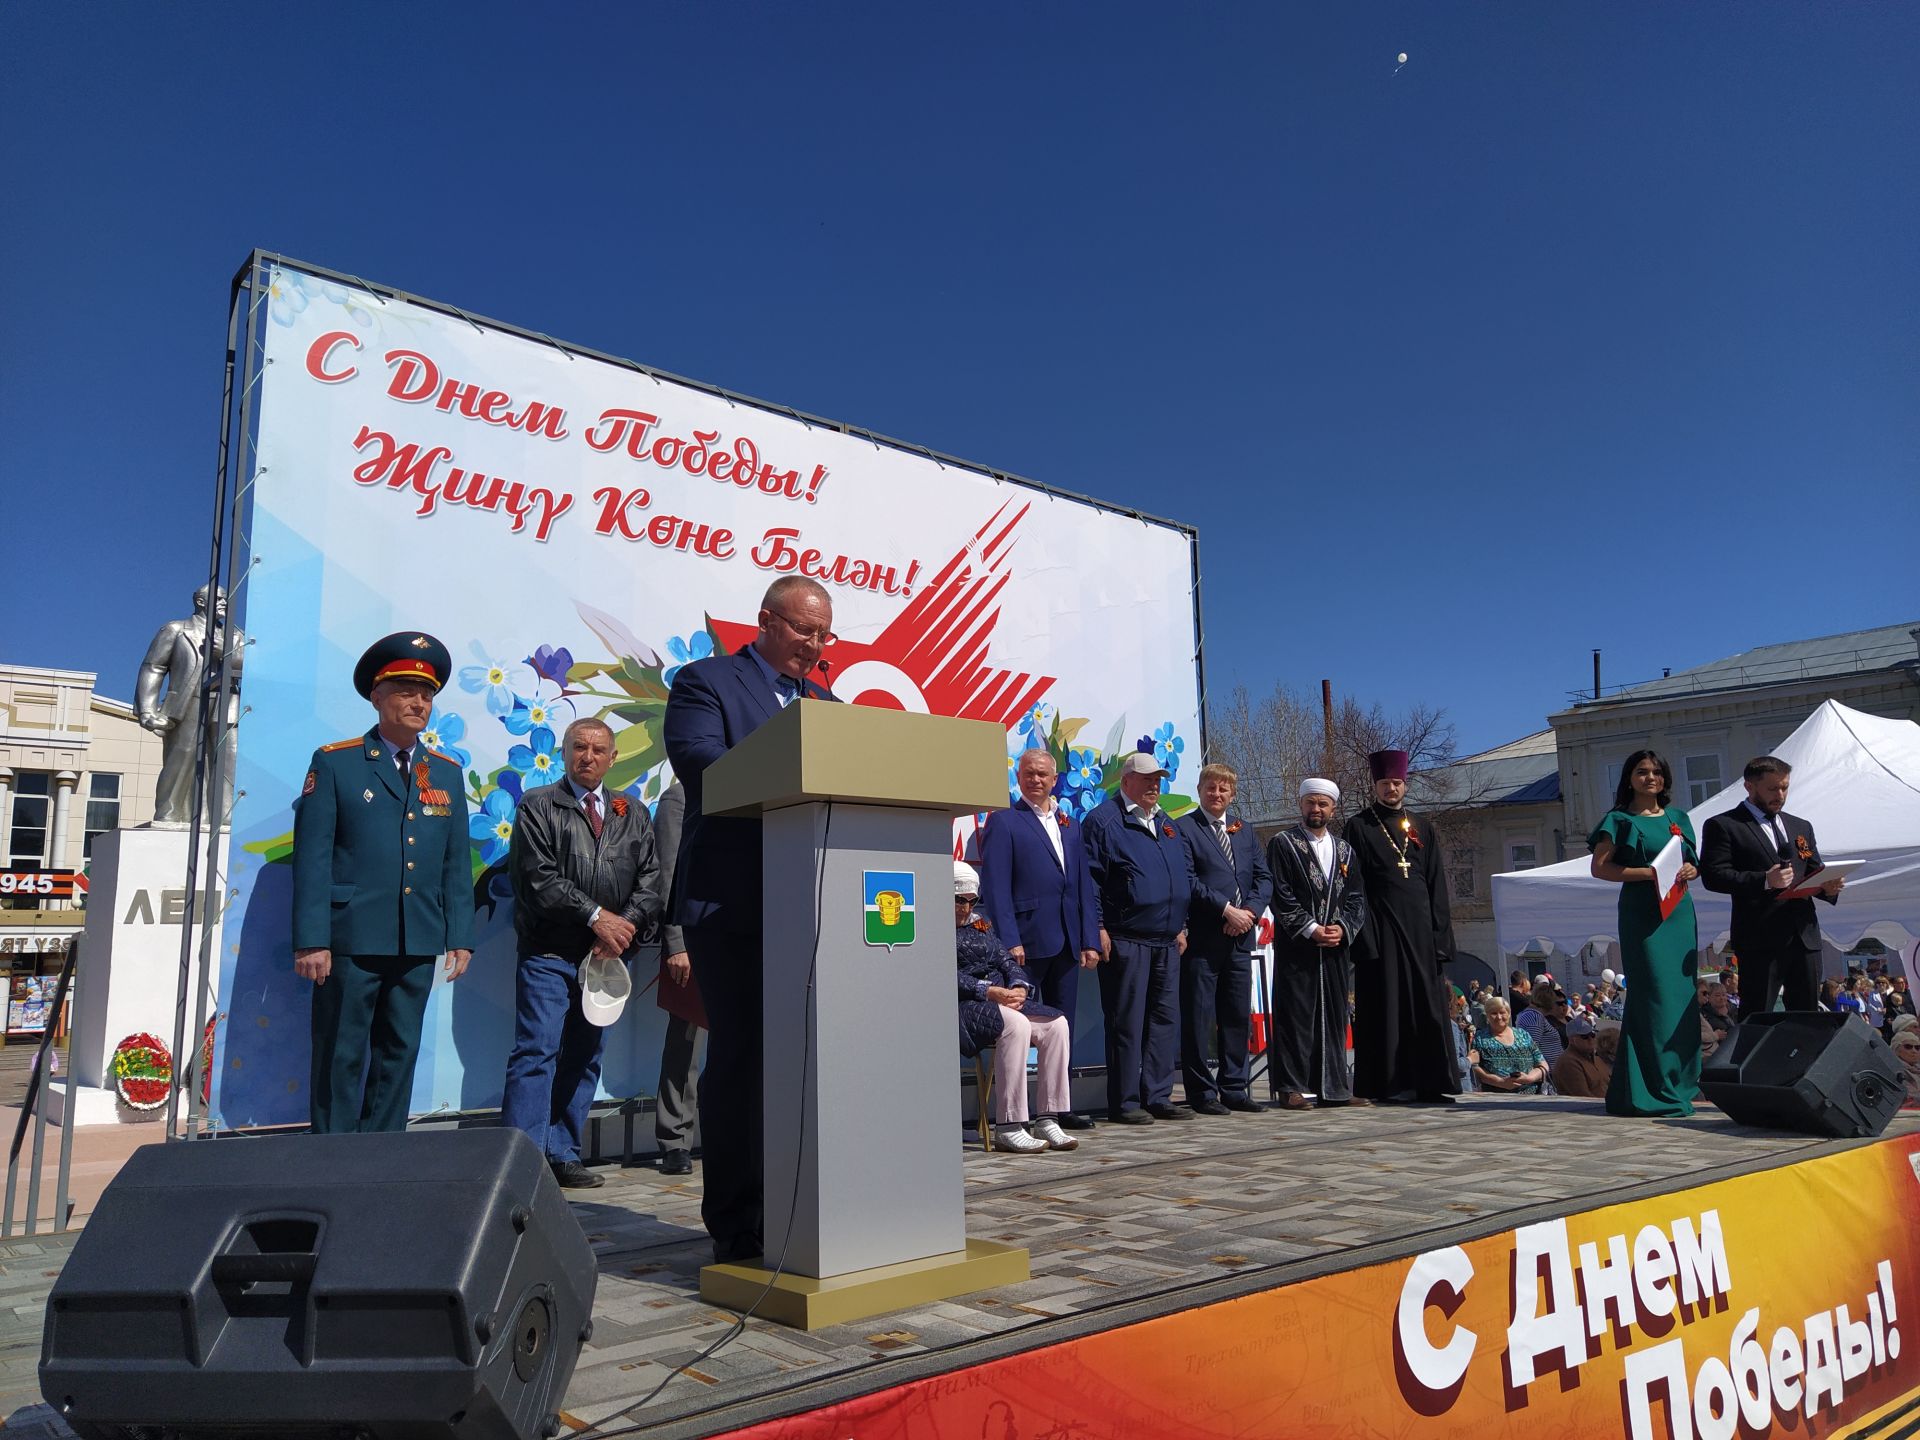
(553, 1069)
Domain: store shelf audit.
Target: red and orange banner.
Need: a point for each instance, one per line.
(1784, 1301)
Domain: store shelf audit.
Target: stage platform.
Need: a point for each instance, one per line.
(1138, 1224)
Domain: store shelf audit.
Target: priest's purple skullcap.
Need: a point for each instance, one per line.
(1388, 764)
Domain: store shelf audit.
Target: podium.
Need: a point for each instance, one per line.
(862, 1160)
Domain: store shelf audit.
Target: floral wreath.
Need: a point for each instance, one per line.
(142, 1071)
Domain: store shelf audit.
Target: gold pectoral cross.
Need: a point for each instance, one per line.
(1405, 869)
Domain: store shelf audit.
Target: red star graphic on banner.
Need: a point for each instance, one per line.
(932, 655)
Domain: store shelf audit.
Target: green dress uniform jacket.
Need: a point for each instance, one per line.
(382, 878)
(380, 860)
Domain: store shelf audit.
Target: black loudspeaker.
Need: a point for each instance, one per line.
(1809, 1071)
(400, 1287)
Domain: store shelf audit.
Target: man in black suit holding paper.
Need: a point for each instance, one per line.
(1756, 853)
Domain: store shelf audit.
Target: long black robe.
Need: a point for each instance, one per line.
(1311, 982)
(1401, 1039)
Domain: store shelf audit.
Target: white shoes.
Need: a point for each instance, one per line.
(1048, 1129)
(1016, 1139)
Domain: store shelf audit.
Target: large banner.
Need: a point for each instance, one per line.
(1778, 1303)
(575, 530)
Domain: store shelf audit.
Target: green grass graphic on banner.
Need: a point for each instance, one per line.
(888, 898)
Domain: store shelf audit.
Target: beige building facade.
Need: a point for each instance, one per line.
(1709, 721)
(1534, 800)
(74, 765)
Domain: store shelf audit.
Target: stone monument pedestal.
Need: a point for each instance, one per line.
(128, 978)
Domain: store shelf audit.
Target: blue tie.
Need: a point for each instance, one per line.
(787, 688)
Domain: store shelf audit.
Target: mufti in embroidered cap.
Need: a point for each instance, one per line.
(406, 655)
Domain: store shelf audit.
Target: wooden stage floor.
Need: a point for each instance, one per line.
(1138, 1222)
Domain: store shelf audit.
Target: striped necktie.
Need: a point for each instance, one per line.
(1226, 849)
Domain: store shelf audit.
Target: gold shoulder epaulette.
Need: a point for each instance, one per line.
(342, 744)
(448, 758)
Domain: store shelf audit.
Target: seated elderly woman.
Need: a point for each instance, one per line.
(1510, 1061)
(996, 1009)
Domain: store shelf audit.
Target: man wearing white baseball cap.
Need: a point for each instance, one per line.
(1143, 881)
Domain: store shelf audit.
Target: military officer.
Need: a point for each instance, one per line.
(382, 886)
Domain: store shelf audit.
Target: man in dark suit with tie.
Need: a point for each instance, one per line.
(1231, 886)
(1039, 894)
(1756, 852)
(713, 706)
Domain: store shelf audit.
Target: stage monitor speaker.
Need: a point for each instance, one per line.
(1818, 1073)
(398, 1287)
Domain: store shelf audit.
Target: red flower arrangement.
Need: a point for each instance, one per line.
(142, 1070)
(619, 804)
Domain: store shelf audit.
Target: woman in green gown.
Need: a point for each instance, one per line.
(1657, 1070)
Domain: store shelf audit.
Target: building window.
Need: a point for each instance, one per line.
(1702, 777)
(103, 808)
(1522, 854)
(32, 817)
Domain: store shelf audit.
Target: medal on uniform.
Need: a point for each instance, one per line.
(367, 795)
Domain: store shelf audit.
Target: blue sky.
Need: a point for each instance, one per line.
(1593, 326)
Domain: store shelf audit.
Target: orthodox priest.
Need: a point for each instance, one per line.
(1319, 906)
(1402, 1048)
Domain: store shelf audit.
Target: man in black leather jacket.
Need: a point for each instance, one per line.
(585, 880)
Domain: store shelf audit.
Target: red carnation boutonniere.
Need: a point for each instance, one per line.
(1167, 830)
(1805, 850)
(1675, 830)
(1234, 829)
(618, 803)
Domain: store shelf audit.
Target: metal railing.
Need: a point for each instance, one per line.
(33, 1110)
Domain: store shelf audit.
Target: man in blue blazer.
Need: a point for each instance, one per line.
(1039, 894)
(716, 901)
(1231, 886)
(382, 885)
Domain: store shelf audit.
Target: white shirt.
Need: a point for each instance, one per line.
(1772, 824)
(1051, 825)
(1322, 847)
(1144, 818)
(1218, 825)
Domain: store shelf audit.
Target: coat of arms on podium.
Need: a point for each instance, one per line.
(889, 904)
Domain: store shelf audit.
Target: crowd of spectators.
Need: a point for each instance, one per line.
(1539, 1037)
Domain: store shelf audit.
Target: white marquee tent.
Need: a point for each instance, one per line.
(1856, 778)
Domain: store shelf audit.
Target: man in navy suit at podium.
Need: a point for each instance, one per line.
(1039, 893)
(713, 706)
